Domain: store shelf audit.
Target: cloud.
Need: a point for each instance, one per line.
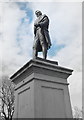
(65, 32)
(75, 89)
(10, 48)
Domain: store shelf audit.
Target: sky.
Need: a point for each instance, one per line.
(65, 29)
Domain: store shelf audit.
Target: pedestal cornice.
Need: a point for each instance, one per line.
(41, 66)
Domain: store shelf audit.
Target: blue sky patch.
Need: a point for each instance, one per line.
(29, 13)
(55, 48)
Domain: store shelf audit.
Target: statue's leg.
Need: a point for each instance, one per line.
(44, 49)
(35, 53)
(36, 41)
(43, 43)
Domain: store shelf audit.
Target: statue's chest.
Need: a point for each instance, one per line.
(38, 20)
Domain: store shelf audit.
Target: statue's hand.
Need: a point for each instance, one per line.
(37, 25)
(49, 45)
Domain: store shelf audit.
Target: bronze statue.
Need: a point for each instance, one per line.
(42, 40)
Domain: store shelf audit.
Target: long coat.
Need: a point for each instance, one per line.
(41, 33)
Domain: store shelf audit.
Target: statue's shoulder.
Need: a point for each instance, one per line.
(44, 15)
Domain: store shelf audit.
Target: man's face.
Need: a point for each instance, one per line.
(38, 14)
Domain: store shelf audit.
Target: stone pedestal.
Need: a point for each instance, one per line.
(42, 90)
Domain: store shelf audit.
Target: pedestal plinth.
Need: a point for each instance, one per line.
(42, 90)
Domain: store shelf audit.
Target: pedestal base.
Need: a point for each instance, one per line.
(42, 90)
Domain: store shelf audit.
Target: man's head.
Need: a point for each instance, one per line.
(38, 13)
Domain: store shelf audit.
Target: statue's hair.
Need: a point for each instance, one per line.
(38, 11)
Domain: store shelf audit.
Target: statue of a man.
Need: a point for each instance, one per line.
(42, 40)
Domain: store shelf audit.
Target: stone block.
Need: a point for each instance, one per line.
(42, 90)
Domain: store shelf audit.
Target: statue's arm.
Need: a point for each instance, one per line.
(34, 30)
(44, 22)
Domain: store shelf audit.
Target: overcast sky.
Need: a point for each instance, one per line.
(16, 38)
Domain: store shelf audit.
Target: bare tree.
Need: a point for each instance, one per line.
(77, 113)
(7, 98)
